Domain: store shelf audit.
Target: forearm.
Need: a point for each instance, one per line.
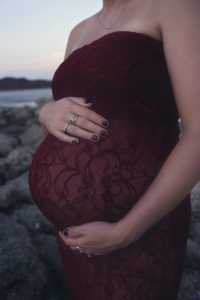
(179, 174)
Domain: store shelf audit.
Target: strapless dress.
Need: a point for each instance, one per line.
(124, 74)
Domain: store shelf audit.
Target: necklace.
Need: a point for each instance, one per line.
(110, 27)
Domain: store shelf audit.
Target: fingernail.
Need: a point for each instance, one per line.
(87, 102)
(65, 231)
(75, 142)
(95, 137)
(105, 123)
(104, 133)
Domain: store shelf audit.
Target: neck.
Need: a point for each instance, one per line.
(109, 5)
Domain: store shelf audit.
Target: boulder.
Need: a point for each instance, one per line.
(15, 191)
(7, 196)
(3, 119)
(194, 233)
(22, 275)
(195, 203)
(192, 259)
(14, 130)
(18, 161)
(48, 252)
(22, 191)
(22, 115)
(3, 168)
(32, 218)
(190, 285)
(33, 136)
(7, 144)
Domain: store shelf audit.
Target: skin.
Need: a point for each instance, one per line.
(177, 24)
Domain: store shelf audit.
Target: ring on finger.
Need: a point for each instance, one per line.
(73, 119)
(78, 249)
(65, 128)
(89, 255)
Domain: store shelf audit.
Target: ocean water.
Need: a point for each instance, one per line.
(19, 98)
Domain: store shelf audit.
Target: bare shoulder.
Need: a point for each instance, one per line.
(177, 15)
(77, 32)
(179, 21)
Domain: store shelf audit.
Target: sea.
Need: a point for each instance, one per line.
(19, 98)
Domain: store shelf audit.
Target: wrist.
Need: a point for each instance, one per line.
(123, 234)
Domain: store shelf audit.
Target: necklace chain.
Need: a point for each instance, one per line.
(110, 27)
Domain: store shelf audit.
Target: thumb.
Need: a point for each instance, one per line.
(81, 101)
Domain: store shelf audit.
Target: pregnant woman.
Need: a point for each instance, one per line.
(111, 174)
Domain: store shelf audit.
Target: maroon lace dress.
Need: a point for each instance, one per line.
(124, 75)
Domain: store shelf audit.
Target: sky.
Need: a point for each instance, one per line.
(34, 34)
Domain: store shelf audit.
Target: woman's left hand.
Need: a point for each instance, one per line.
(96, 238)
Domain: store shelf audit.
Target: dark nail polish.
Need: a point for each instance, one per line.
(105, 123)
(95, 137)
(87, 102)
(104, 133)
(65, 231)
(75, 142)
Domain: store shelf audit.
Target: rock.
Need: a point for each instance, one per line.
(32, 218)
(195, 203)
(7, 196)
(22, 275)
(23, 114)
(3, 119)
(22, 191)
(33, 136)
(194, 233)
(192, 259)
(48, 252)
(18, 161)
(3, 168)
(14, 130)
(190, 285)
(15, 191)
(7, 144)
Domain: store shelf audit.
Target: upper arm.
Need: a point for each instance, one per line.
(180, 27)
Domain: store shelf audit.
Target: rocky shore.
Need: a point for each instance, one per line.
(30, 265)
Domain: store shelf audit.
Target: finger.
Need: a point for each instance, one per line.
(65, 138)
(77, 131)
(81, 250)
(81, 101)
(75, 231)
(74, 242)
(89, 114)
(90, 126)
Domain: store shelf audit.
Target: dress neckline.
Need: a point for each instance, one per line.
(120, 32)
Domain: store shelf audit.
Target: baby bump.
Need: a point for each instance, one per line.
(73, 185)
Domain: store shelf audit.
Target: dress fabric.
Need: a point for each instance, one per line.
(124, 75)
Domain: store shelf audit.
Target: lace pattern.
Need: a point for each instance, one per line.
(124, 75)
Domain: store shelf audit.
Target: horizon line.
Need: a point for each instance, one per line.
(24, 78)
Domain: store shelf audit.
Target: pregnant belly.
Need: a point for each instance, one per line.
(73, 185)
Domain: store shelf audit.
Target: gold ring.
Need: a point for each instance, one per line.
(73, 119)
(89, 255)
(65, 128)
(77, 249)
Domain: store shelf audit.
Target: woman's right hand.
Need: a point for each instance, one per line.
(54, 116)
